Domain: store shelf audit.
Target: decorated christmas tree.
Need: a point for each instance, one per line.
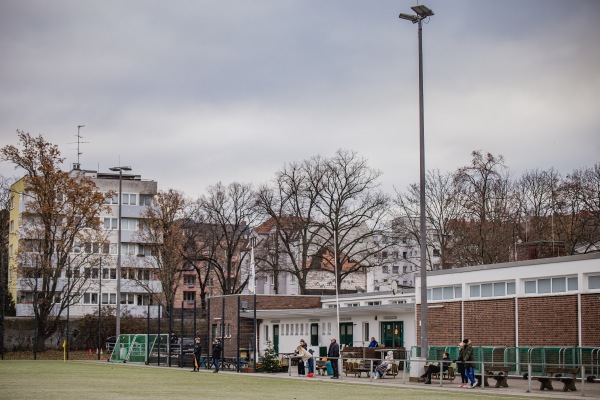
(270, 362)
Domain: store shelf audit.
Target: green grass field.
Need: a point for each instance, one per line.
(75, 380)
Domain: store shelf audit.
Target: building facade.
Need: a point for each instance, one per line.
(138, 284)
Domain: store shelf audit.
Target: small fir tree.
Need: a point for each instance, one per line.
(270, 361)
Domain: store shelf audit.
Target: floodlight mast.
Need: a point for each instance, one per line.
(422, 13)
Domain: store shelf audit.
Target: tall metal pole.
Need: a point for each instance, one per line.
(68, 305)
(422, 200)
(253, 283)
(118, 311)
(100, 310)
(422, 13)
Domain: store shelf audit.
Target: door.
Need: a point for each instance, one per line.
(346, 334)
(392, 334)
(314, 334)
(276, 338)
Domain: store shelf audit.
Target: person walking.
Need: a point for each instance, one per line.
(217, 349)
(468, 359)
(333, 355)
(197, 354)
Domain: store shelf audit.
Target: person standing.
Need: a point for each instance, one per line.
(460, 365)
(468, 358)
(333, 355)
(305, 357)
(310, 364)
(197, 354)
(217, 349)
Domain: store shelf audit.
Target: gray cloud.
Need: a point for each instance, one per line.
(194, 92)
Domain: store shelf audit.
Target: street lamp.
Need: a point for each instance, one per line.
(422, 13)
(253, 286)
(118, 322)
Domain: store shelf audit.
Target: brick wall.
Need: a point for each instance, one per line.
(548, 321)
(487, 323)
(245, 330)
(590, 320)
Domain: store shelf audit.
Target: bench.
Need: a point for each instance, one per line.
(447, 374)
(357, 367)
(555, 373)
(499, 373)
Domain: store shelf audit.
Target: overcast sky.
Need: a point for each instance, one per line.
(190, 93)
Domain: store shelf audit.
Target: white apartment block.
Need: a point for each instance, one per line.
(137, 278)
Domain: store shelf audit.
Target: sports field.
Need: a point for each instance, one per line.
(74, 380)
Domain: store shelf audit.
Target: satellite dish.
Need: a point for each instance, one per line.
(394, 287)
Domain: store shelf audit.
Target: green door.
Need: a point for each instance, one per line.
(276, 338)
(314, 334)
(346, 335)
(392, 334)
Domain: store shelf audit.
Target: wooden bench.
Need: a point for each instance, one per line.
(499, 373)
(557, 374)
(357, 367)
(447, 374)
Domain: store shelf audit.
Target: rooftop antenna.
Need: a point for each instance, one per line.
(79, 137)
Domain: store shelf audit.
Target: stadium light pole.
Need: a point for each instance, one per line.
(422, 12)
(118, 311)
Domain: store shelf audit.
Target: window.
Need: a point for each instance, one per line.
(395, 269)
(143, 299)
(494, 289)
(144, 250)
(593, 282)
(12, 226)
(128, 249)
(353, 305)
(90, 298)
(109, 298)
(145, 200)
(130, 199)
(110, 223)
(436, 252)
(385, 269)
(189, 280)
(111, 199)
(404, 269)
(558, 284)
(373, 303)
(189, 297)
(143, 274)
(444, 293)
(128, 224)
(404, 255)
(384, 254)
(128, 298)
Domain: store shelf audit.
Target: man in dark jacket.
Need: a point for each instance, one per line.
(333, 354)
(216, 354)
(197, 354)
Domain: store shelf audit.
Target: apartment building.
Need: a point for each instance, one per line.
(98, 275)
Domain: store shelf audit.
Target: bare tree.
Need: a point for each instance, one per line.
(486, 233)
(228, 212)
(352, 212)
(60, 230)
(162, 232)
(443, 204)
(291, 203)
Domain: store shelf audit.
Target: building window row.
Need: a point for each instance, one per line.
(130, 199)
(495, 289)
(551, 285)
(444, 293)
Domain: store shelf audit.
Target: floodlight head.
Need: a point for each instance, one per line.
(412, 18)
(422, 11)
(117, 169)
